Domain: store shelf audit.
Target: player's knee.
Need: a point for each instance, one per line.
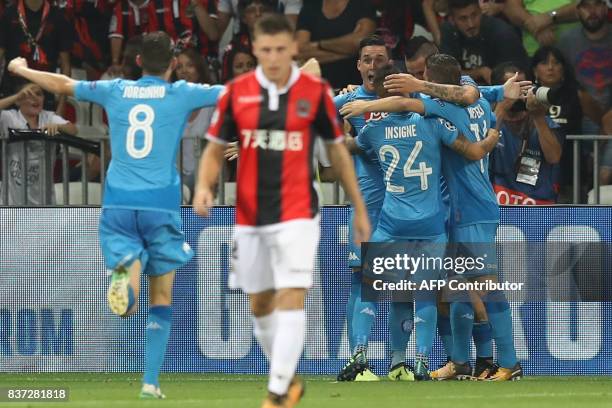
(161, 298)
(262, 304)
(291, 298)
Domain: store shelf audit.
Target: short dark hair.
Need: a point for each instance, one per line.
(273, 23)
(459, 4)
(500, 70)
(419, 46)
(243, 4)
(443, 69)
(157, 52)
(372, 39)
(379, 78)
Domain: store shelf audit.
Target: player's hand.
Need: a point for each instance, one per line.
(203, 200)
(402, 83)
(361, 227)
(514, 89)
(490, 8)
(352, 109)
(231, 151)
(16, 64)
(51, 129)
(538, 22)
(493, 134)
(349, 88)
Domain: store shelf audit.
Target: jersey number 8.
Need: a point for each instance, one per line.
(422, 172)
(140, 125)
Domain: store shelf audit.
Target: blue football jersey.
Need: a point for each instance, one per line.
(471, 192)
(146, 120)
(409, 151)
(367, 170)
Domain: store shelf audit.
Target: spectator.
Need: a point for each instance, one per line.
(395, 24)
(417, 51)
(542, 20)
(239, 60)
(90, 48)
(229, 9)
(476, 40)
(551, 69)
(29, 98)
(129, 68)
(250, 11)
(330, 31)
(191, 67)
(132, 17)
(589, 49)
(206, 34)
(525, 165)
(39, 32)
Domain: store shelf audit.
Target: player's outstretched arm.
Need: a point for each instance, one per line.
(208, 175)
(406, 83)
(54, 83)
(341, 161)
(389, 104)
(478, 150)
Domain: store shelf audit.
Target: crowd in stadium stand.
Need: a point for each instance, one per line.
(560, 44)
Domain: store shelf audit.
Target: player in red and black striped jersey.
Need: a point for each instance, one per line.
(276, 113)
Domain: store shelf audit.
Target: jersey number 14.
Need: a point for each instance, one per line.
(422, 172)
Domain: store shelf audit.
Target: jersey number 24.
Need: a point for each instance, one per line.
(422, 172)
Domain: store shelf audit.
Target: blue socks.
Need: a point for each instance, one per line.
(354, 295)
(158, 332)
(481, 333)
(444, 331)
(462, 320)
(400, 325)
(364, 314)
(425, 325)
(500, 318)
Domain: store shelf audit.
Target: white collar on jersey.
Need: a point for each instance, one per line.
(273, 91)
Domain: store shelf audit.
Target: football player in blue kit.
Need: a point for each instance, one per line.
(473, 222)
(140, 225)
(409, 151)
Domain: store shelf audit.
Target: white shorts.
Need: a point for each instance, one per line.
(274, 256)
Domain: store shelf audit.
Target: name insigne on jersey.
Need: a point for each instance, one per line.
(395, 132)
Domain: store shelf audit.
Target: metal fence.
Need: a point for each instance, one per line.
(577, 140)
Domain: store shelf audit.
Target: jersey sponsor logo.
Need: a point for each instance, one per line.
(373, 116)
(303, 108)
(247, 99)
(396, 132)
(144, 92)
(353, 256)
(506, 196)
(369, 311)
(277, 140)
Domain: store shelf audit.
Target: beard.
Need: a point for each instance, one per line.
(592, 25)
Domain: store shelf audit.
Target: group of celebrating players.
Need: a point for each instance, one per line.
(276, 113)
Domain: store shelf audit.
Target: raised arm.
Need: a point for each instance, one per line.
(406, 83)
(389, 104)
(478, 150)
(54, 83)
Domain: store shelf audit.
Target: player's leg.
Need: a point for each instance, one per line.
(293, 247)
(354, 263)
(159, 323)
(401, 322)
(481, 334)
(264, 320)
(425, 305)
(167, 251)
(444, 327)
(122, 248)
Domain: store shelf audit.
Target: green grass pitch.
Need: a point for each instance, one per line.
(242, 391)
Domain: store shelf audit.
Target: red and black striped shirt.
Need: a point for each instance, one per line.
(130, 19)
(276, 130)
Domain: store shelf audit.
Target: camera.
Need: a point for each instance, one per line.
(548, 96)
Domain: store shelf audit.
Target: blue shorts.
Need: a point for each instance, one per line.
(482, 236)
(153, 237)
(354, 251)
